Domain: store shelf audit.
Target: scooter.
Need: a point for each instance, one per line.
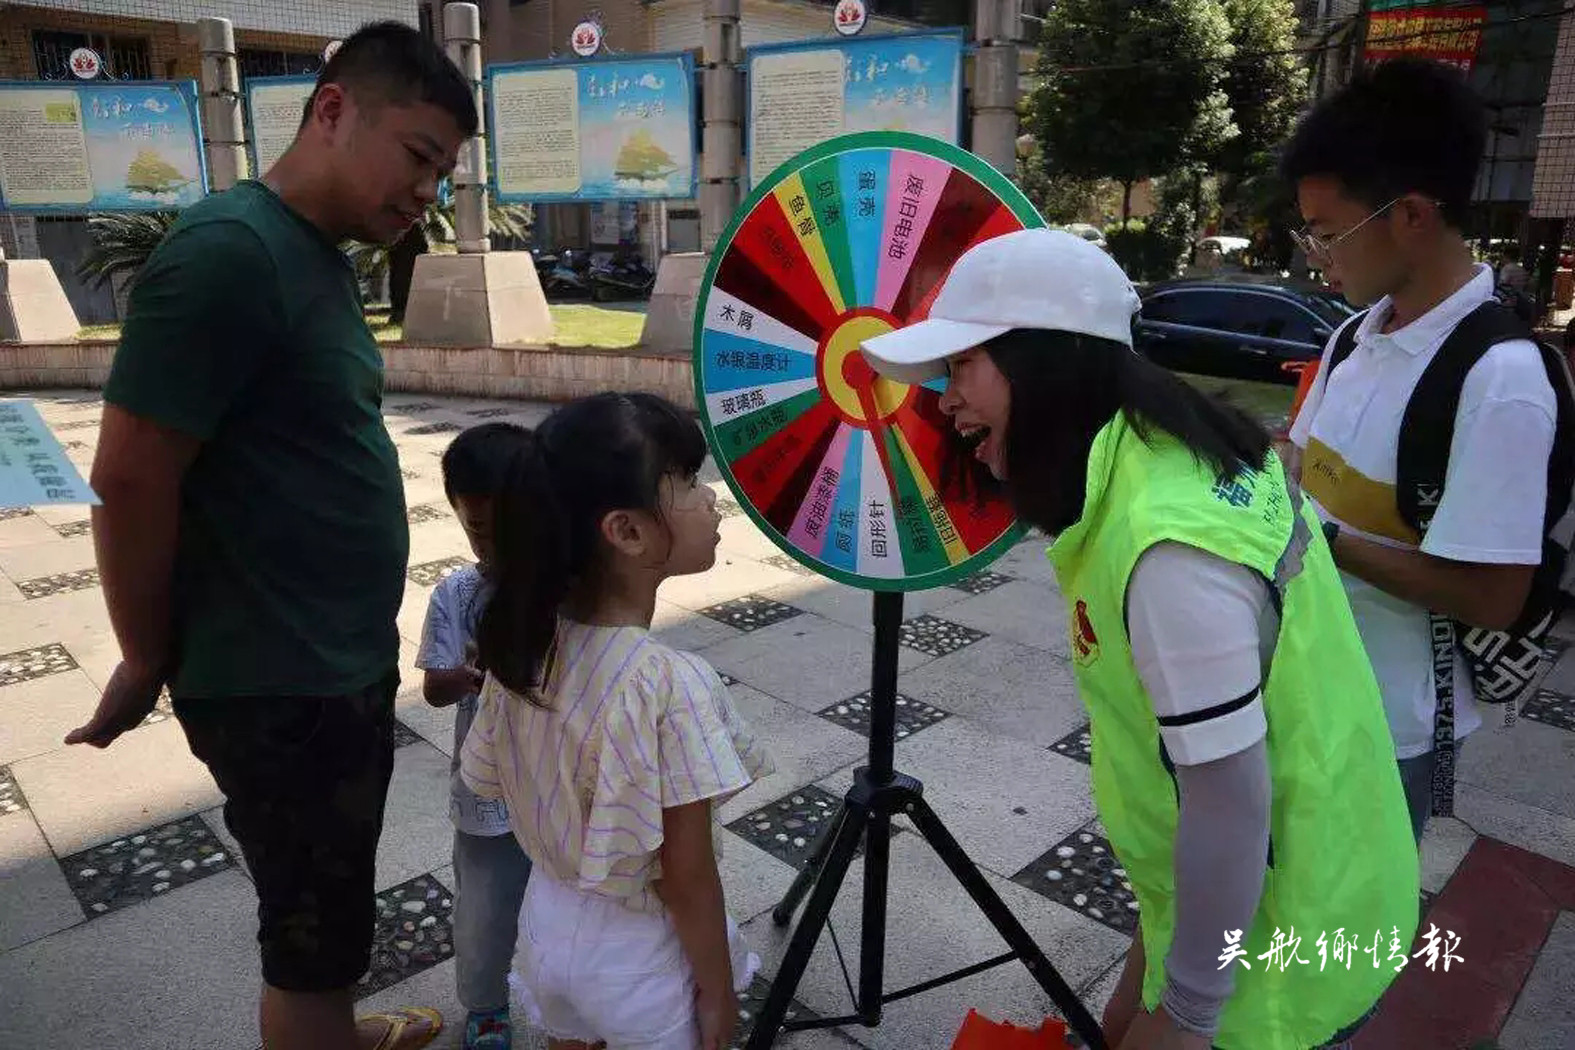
(569, 275)
(624, 276)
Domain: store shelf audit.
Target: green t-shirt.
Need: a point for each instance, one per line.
(245, 330)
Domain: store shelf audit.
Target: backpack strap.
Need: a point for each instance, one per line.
(1427, 430)
(1345, 340)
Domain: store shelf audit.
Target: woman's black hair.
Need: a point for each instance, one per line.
(477, 462)
(1067, 386)
(591, 457)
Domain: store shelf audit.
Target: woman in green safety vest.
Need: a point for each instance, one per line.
(1242, 764)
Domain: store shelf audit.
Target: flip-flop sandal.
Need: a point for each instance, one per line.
(402, 1019)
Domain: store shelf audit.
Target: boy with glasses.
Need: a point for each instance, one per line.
(1383, 172)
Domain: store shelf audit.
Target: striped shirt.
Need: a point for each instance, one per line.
(632, 727)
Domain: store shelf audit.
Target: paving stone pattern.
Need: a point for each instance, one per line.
(11, 798)
(751, 612)
(912, 715)
(60, 583)
(1082, 873)
(140, 867)
(444, 427)
(415, 932)
(1078, 744)
(427, 574)
(28, 664)
(981, 582)
(934, 636)
(1550, 709)
(422, 513)
(787, 828)
(788, 563)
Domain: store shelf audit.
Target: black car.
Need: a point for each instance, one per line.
(1238, 327)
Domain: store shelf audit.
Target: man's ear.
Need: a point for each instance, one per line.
(329, 106)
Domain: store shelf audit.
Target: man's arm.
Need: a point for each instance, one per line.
(1475, 593)
(202, 320)
(137, 473)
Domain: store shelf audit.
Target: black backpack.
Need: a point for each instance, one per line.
(1506, 666)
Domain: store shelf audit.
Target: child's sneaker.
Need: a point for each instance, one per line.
(489, 1030)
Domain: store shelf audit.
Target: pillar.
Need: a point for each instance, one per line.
(223, 130)
(995, 83)
(462, 39)
(721, 144)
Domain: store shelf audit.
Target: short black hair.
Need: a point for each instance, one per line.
(1410, 125)
(478, 461)
(385, 63)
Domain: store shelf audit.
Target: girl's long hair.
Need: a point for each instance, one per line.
(1066, 386)
(591, 457)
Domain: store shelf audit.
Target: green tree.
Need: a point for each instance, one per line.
(1129, 91)
(1265, 81)
(1062, 199)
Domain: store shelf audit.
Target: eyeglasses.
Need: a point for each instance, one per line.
(1322, 248)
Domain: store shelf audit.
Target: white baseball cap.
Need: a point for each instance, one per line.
(1047, 279)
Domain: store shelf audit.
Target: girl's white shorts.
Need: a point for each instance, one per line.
(589, 969)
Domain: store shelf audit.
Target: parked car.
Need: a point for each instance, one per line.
(1237, 327)
(1092, 234)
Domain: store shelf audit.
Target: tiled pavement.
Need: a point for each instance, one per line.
(126, 917)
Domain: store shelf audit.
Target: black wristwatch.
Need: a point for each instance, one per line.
(1331, 529)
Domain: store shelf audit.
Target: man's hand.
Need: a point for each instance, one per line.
(718, 1017)
(1156, 1031)
(127, 699)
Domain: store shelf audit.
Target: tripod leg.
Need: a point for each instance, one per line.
(782, 914)
(1006, 924)
(846, 842)
(872, 940)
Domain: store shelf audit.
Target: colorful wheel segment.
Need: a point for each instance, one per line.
(853, 475)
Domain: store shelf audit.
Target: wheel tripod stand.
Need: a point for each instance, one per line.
(879, 792)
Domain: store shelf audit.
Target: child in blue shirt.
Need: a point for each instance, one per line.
(490, 869)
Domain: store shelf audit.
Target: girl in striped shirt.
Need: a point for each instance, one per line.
(611, 749)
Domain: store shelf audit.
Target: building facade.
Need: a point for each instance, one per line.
(155, 40)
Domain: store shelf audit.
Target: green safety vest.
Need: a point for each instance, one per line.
(1341, 852)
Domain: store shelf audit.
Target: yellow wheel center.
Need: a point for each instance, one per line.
(846, 376)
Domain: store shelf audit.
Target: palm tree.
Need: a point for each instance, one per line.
(122, 242)
(437, 225)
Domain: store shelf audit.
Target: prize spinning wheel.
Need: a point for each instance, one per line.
(843, 469)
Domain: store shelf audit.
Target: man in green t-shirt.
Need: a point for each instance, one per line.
(252, 540)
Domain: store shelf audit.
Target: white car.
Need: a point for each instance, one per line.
(1089, 233)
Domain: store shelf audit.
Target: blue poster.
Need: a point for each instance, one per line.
(275, 107)
(606, 129)
(803, 94)
(34, 469)
(100, 146)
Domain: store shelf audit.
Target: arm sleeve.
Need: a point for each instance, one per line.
(699, 756)
(1496, 491)
(1195, 622)
(478, 763)
(442, 635)
(1222, 842)
(203, 319)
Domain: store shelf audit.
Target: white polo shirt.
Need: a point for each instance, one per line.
(1495, 490)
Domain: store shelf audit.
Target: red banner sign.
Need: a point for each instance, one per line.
(1444, 34)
